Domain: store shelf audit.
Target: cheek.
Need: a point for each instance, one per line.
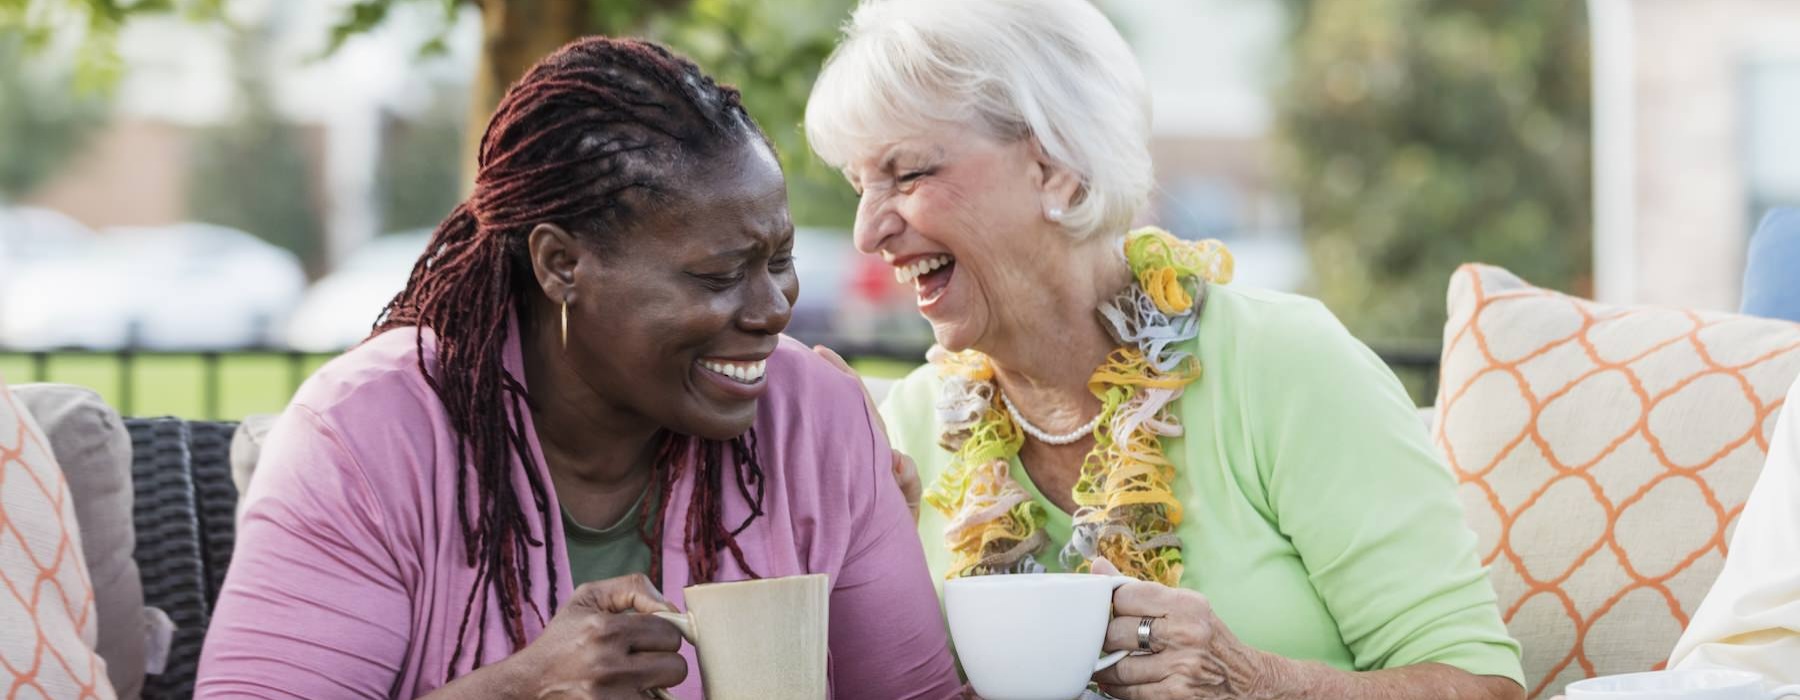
(966, 225)
(648, 324)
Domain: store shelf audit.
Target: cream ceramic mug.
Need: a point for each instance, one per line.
(1678, 685)
(1031, 636)
(759, 639)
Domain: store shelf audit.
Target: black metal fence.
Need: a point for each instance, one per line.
(122, 380)
(123, 387)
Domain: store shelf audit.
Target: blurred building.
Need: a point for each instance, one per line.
(1697, 133)
(1210, 65)
(184, 78)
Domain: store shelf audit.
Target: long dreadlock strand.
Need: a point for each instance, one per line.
(590, 137)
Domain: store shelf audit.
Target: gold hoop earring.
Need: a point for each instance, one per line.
(565, 325)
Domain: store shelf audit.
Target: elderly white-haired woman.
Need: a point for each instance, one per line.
(1294, 531)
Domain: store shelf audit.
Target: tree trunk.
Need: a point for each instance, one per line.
(516, 33)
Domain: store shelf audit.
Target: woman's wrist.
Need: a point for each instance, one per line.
(1282, 678)
(509, 679)
(1288, 679)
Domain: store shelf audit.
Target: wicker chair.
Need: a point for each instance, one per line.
(184, 513)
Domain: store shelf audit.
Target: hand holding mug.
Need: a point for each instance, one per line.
(1192, 654)
(606, 644)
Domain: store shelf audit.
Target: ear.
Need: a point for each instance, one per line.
(554, 256)
(1057, 185)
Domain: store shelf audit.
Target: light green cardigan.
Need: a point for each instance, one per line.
(1319, 520)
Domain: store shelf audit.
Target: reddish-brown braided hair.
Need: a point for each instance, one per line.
(592, 135)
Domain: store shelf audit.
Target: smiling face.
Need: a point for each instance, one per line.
(674, 317)
(962, 219)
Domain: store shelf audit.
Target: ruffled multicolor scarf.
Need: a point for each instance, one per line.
(1126, 506)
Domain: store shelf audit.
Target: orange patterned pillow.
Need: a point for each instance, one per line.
(46, 602)
(1604, 453)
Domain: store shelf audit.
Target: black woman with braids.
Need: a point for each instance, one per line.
(581, 397)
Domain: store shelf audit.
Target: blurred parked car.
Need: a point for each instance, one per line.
(340, 309)
(820, 261)
(837, 304)
(849, 300)
(187, 286)
(33, 238)
(31, 234)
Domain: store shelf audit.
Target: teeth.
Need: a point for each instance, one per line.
(905, 274)
(746, 372)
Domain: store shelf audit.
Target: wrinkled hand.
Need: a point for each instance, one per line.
(906, 473)
(604, 645)
(1193, 654)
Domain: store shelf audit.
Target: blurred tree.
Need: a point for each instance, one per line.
(419, 179)
(1421, 134)
(253, 173)
(42, 122)
(771, 49)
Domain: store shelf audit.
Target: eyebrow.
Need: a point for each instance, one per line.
(745, 250)
(894, 153)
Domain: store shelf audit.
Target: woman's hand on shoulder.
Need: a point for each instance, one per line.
(906, 473)
(604, 644)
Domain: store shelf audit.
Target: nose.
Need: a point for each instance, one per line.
(875, 223)
(770, 304)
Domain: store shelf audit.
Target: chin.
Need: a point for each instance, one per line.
(723, 426)
(952, 336)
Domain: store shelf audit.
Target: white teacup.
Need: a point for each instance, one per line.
(1031, 636)
(1678, 685)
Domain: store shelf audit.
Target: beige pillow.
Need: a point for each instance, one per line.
(89, 440)
(246, 449)
(1604, 453)
(46, 602)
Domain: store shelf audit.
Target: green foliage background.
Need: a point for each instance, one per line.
(42, 122)
(1415, 134)
(1421, 134)
(770, 49)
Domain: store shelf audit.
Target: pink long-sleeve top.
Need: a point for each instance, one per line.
(348, 578)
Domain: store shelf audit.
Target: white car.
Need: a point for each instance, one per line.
(186, 286)
(340, 309)
(29, 234)
(40, 254)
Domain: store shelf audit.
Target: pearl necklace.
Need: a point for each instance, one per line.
(1045, 437)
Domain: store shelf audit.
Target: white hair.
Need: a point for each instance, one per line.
(1055, 70)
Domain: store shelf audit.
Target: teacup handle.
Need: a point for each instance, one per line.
(1785, 691)
(684, 625)
(1107, 661)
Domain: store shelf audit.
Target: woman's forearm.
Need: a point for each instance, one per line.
(1306, 680)
(500, 681)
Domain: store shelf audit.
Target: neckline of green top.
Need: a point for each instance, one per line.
(625, 526)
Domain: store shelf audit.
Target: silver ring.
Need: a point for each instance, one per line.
(1143, 637)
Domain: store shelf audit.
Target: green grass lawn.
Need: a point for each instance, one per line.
(175, 385)
(164, 385)
(172, 385)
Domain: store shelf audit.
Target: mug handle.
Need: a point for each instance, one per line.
(1785, 691)
(684, 625)
(1107, 661)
